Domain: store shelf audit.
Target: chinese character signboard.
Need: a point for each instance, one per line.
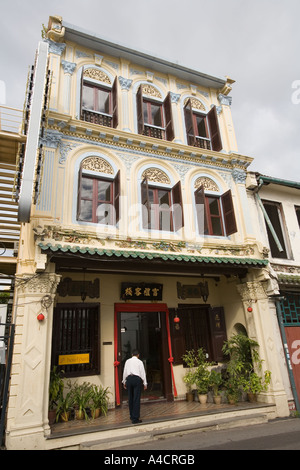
(141, 291)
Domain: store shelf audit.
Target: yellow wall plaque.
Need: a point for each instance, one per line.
(73, 359)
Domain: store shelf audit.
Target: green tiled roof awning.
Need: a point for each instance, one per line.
(289, 279)
(145, 255)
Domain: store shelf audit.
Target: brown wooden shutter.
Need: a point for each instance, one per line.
(218, 332)
(140, 115)
(177, 336)
(117, 197)
(228, 213)
(81, 91)
(115, 103)
(168, 117)
(215, 136)
(188, 114)
(79, 193)
(201, 212)
(145, 203)
(178, 219)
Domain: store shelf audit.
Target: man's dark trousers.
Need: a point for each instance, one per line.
(134, 386)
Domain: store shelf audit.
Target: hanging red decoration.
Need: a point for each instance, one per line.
(249, 309)
(40, 317)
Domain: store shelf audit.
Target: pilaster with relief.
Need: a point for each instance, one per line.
(28, 407)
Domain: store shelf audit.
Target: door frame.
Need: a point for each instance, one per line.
(167, 366)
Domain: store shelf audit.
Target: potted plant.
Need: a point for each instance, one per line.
(64, 406)
(201, 375)
(99, 400)
(56, 387)
(202, 383)
(256, 384)
(232, 387)
(216, 381)
(81, 397)
(189, 358)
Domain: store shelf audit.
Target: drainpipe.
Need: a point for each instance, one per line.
(268, 221)
(287, 354)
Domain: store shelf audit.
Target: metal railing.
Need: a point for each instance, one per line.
(10, 119)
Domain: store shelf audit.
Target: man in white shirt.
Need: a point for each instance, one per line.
(133, 377)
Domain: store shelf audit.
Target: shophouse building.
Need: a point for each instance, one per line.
(276, 205)
(138, 214)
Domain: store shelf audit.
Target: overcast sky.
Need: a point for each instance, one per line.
(254, 42)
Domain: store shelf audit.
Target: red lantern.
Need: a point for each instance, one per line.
(249, 309)
(40, 317)
(176, 321)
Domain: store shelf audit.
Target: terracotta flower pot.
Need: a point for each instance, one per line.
(95, 413)
(217, 399)
(202, 398)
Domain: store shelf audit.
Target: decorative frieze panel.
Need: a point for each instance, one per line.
(196, 104)
(207, 183)
(97, 164)
(96, 74)
(156, 175)
(151, 91)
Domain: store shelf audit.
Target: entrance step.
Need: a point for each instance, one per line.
(140, 434)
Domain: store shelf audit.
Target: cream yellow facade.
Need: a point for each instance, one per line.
(58, 243)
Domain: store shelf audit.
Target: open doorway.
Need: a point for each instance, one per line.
(143, 327)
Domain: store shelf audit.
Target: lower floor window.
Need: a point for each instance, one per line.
(75, 339)
(200, 326)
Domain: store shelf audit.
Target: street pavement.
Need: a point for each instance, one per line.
(278, 434)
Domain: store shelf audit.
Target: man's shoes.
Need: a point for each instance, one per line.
(136, 421)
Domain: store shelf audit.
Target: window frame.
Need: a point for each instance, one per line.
(226, 212)
(98, 117)
(214, 140)
(282, 233)
(114, 215)
(175, 207)
(166, 132)
(68, 339)
(200, 325)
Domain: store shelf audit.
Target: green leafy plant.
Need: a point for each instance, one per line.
(242, 366)
(64, 406)
(81, 395)
(256, 384)
(56, 387)
(215, 381)
(99, 399)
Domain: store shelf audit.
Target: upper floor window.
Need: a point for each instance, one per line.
(98, 195)
(202, 129)
(154, 117)
(99, 99)
(297, 209)
(215, 214)
(161, 205)
(276, 229)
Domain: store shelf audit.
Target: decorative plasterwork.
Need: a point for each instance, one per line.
(151, 91)
(251, 291)
(97, 164)
(41, 284)
(196, 104)
(156, 175)
(96, 74)
(207, 183)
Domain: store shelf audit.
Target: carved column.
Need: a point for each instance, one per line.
(262, 326)
(27, 419)
(69, 68)
(125, 84)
